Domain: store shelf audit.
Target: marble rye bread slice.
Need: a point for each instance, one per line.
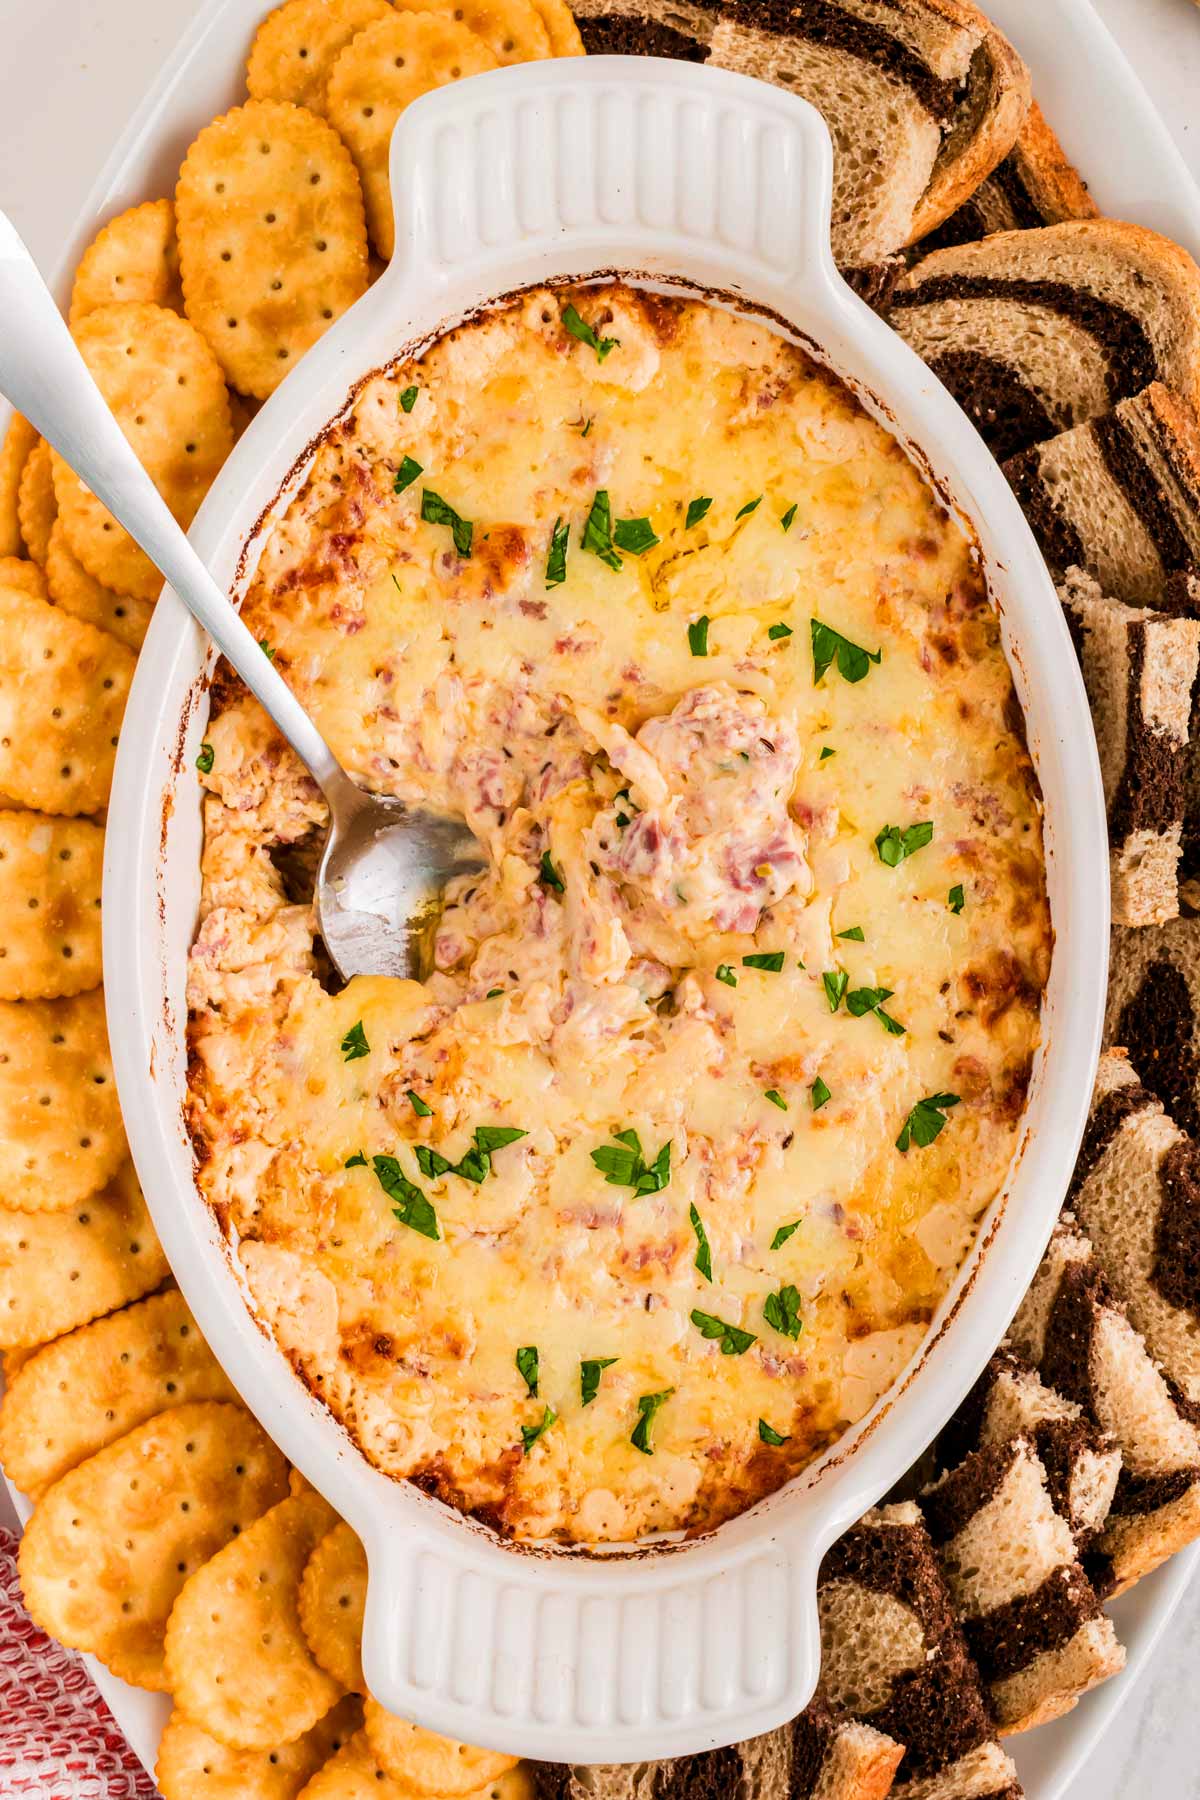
(922, 98)
(1119, 496)
(1035, 184)
(1032, 1619)
(1136, 1193)
(1154, 1012)
(1035, 332)
(1140, 668)
(1082, 1463)
(1071, 1328)
(893, 1656)
(817, 1757)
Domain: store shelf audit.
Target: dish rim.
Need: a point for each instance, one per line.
(143, 1034)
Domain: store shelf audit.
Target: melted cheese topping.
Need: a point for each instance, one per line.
(652, 817)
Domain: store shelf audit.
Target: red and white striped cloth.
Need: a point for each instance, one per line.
(58, 1740)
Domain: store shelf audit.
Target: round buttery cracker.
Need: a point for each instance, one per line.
(333, 1599)
(426, 1763)
(80, 594)
(167, 394)
(49, 906)
(511, 29)
(561, 28)
(236, 1658)
(36, 504)
(63, 687)
(87, 1389)
(135, 257)
(61, 1136)
(19, 439)
(18, 572)
(110, 1546)
(355, 1774)
(272, 238)
(58, 1270)
(192, 1765)
(380, 72)
(296, 45)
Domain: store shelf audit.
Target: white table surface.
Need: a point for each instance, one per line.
(58, 120)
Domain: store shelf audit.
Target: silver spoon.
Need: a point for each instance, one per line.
(384, 865)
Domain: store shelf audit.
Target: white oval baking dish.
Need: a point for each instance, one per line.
(683, 176)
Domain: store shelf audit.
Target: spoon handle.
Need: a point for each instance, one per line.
(44, 376)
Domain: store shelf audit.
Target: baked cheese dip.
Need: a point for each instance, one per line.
(647, 1192)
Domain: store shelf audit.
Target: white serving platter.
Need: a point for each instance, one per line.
(1111, 129)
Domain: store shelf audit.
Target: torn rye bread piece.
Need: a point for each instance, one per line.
(1036, 331)
(1082, 1343)
(1118, 496)
(1081, 1461)
(1140, 670)
(1136, 1193)
(892, 1655)
(819, 1756)
(922, 99)
(1032, 1619)
(1033, 185)
(1154, 1012)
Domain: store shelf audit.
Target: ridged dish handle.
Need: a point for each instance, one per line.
(658, 159)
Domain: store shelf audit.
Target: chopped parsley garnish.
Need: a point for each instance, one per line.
(635, 535)
(589, 1376)
(955, 900)
(697, 510)
(267, 649)
(779, 631)
(355, 1044)
(925, 1121)
(854, 933)
(788, 517)
(406, 474)
(476, 1164)
(357, 1161)
(861, 1001)
(698, 636)
(770, 960)
(769, 1435)
(703, 1260)
(556, 561)
(894, 844)
(623, 1164)
(579, 328)
(207, 755)
(776, 1099)
(597, 530)
(726, 974)
(411, 1208)
(782, 1311)
(732, 1339)
(852, 660)
(531, 1433)
(549, 876)
(835, 981)
(784, 1233)
(492, 993)
(421, 1107)
(527, 1367)
(820, 1094)
(648, 1405)
(587, 426)
(431, 1162)
(750, 506)
(408, 399)
(826, 753)
(436, 511)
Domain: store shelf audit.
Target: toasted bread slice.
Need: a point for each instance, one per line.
(1140, 669)
(1037, 331)
(1154, 1012)
(987, 119)
(1072, 1329)
(1031, 1617)
(1119, 496)
(1035, 184)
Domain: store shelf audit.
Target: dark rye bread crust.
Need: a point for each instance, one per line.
(1006, 413)
(1010, 1637)
(621, 34)
(1119, 450)
(937, 1710)
(1157, 1027)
